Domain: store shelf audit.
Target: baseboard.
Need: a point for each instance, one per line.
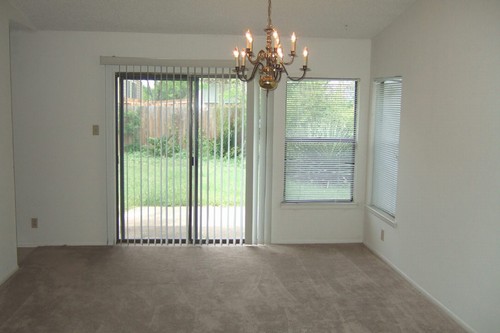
(423, 291)
(316, 241)
(9, 275)
(58, 244)
(26, 245)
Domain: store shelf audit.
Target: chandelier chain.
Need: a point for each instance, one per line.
(269, 22)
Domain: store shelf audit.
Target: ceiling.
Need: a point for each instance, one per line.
(311, 18)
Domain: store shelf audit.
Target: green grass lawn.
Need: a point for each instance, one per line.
(163, 181)
(319, 192)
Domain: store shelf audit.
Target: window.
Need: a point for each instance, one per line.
(320, 140)
(386, 144)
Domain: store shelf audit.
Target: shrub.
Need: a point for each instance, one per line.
(131, 128)
(163, 146)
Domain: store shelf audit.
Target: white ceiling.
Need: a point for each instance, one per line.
(312, 18)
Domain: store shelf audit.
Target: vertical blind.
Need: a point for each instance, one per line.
(320, 140)
(181, 144)
(386, 144)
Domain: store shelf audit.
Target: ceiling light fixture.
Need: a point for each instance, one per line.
(269, 62)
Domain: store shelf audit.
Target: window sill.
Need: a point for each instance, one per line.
(383, 216)
(318, 205)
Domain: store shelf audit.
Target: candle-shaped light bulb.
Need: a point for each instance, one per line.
(280, 53)
(236, 54)
(294, 42)
(243, 58)
(249, 41)
(306, 55)
(276, 39)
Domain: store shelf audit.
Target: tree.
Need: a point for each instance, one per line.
(321, 108)
(156, 90)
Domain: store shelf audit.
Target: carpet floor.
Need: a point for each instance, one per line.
(278, 288)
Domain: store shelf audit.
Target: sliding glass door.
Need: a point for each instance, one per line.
(181, 143)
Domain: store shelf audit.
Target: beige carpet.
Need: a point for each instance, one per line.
(313, 288)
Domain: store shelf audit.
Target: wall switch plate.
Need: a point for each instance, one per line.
(95, 129)
(382, 235)
(34, 222)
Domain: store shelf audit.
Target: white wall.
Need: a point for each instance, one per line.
(324, 223)
(8, 253)
(58, 93)
(8, 256)
(447, 238)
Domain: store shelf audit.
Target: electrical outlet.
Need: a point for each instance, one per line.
(382, 235)
(95, 129)
(34, 222)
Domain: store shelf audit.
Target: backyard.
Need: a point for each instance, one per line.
(164, 180)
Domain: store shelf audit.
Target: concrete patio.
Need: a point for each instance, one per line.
(219, 223)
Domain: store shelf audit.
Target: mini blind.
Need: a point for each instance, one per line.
(320, 140)
(386, 144)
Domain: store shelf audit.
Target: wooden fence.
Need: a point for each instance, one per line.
(170, 118)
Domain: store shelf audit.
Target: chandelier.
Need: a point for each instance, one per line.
(271, 62)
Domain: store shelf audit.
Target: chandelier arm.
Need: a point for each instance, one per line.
(243, 78)
(286, 72)
(292, 58)
(251, 59)
(297, 78)
(278, 75)
(240, 72)
(254, 71)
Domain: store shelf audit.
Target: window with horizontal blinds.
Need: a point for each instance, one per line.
(320, 140)
(386, 144)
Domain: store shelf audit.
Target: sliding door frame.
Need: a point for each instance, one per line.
(114, 66)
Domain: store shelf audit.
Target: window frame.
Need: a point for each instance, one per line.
(353, 141)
